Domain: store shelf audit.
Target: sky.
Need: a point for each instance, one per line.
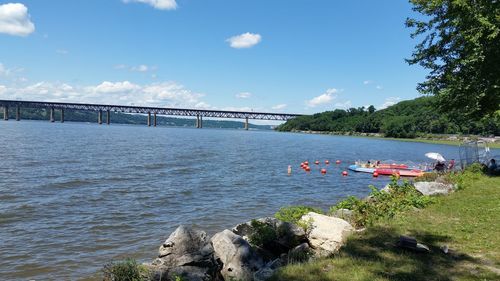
(294, 56)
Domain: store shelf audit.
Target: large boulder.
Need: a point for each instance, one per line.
(288, 235)
(326, 234)
(187, 253)
(433, 188)
(239, 260)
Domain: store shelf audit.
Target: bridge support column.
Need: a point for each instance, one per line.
(99, 117)
(108, 117)
(197, 122)
(200, 125)
(149, 119)
(5, 113)
(154, 119)
(18, 113)
(52, 115)
(62, 115)
(246, 123)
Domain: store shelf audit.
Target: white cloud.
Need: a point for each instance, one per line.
(366, 82)
(15, 20)
(279, 106)
(62, 52)
(3, 70)
(244, 95)
(379, 87)
(323, 99)
(245, 40)
(167, 94)
(118, 87)
(157, 4)
(390, 101)
(140, 68)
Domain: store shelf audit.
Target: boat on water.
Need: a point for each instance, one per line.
(387, 169)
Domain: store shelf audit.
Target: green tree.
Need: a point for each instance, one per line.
(461, 48)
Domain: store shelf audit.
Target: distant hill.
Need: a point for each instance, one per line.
(124, 118)
(406, 119)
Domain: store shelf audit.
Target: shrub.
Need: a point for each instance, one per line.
(126, 270)
(293, 214)
(263, 234)
(383, 205)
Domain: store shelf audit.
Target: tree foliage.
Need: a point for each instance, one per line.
(461, 48)
(406, 119)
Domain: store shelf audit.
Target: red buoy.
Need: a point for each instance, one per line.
(306, 163)
(375, 174)
(344, 173)
(316, 162)
(307, 168)
(327, 162)
(323, 171)
(337, 162)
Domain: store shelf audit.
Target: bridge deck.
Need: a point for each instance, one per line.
(152, 110)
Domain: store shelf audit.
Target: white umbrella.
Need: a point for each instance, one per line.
(435, 156)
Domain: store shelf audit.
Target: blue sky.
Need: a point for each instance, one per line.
(296, 56)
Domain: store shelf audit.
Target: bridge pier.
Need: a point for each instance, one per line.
(99, 117)
(18, 113)
(246, 123)
(197, 122)
(52, 115)
(154, 119)
(108, 117)
(200, 124)
(62, 115)
(149, 119)
(5, 113)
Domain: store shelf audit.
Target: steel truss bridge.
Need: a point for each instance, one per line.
(100, 108)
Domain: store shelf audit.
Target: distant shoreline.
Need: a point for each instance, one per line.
(435, 139)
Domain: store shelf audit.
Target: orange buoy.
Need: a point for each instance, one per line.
(307, 168)
(323, 171)
(344, 173)
(337, 162)
(306, 163)
(316, 162)
(375, 174)
(327, 162)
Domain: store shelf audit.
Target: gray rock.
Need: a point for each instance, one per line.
(268, 270)
(239, 260)
(433, 188)
(187, 253)
(301, 253)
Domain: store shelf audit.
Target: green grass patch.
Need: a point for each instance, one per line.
(466, 221)
(126, 270)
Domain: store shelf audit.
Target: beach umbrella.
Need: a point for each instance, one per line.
(435, 156)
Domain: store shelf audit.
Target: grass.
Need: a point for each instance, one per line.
(467, 221)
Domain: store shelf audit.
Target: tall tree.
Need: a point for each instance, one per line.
(461, 48)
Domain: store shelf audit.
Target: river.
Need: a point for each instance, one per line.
(75, 196)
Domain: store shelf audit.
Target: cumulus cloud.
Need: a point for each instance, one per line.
(157, 4)
(323, 99)
(15, 20)
(390, 101)
(168, 94)
(279, 106)
(244, 95)
(245, 40)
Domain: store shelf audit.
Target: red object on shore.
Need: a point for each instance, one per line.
(344, 173)
(327, 162)
(323, 171)
(337, 162)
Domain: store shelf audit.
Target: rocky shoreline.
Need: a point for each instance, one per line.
(256, 249)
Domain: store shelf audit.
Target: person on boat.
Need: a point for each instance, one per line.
(451, 165)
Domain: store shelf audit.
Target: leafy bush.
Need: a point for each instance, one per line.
(383, 205)
(264, 234)
(293, 214)
(127, 270)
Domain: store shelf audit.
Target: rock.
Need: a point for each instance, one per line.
(433, 188)
(187, 253)
(327, 234)
(386, 189)
(412, 244)
(288, 234)
(344, 214)
(301, 253)
(268, 270)
(239, 260)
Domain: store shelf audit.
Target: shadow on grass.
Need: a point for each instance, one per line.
(373, 255)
